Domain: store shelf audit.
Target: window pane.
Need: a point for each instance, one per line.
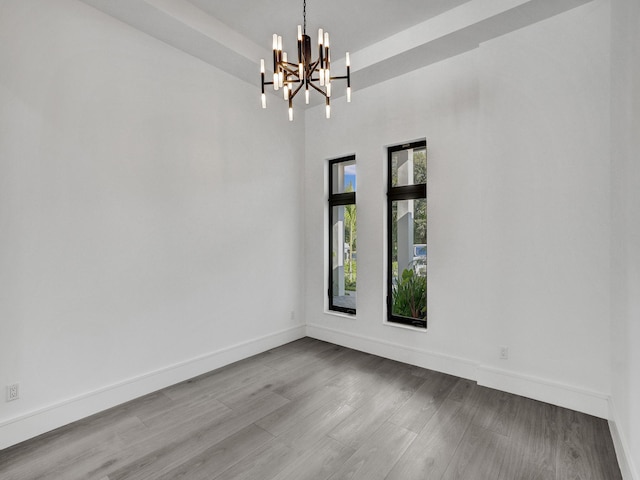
(409, 167)
(343, 257)
(344, 177)
(409, 258)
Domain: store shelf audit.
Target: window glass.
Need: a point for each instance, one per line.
(342, 235)
(344, 176)
(409, 259)
(343, 257)
(408, 167)
(407, 234)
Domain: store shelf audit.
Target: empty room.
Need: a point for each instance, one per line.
(320, 240)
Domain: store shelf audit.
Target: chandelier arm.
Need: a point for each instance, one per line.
(292, 82)
(289, 64)
(318, 89)
(291, 72)
(296, 90)
(314, 66)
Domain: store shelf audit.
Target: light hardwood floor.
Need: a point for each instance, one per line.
(313, 410)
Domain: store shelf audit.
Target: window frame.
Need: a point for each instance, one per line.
(337, 200)
(399, 193)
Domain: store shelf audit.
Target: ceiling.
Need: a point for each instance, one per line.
(385, 38)
(352, 24)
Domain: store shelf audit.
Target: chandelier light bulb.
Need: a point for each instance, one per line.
(263, 97)
(348, 63)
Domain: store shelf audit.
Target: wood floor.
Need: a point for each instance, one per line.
(313, 410)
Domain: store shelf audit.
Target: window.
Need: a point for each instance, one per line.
(342, 235)
(407, 234)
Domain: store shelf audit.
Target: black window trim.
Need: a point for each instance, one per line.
(336, 200)
(404, 192)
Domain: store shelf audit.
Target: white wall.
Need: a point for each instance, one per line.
(439, 102)
(544, 123)
(143, 202)
(518, 206)
(625, 238)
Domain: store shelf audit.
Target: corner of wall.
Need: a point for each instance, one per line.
(621, 445)
(32, 424)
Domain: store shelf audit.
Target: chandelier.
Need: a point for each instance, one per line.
(305, 74)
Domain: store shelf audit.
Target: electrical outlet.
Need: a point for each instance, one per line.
(293, 314)
(13, 392)
(504, 353)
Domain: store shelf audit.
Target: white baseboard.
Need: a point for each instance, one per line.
(45, 419)
(592, 403)
(623, 452)
(460, 367)
(556, 393)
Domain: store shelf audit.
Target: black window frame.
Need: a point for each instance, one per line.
(336, 200)
(399, 193)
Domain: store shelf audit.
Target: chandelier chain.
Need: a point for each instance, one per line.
(304, 15)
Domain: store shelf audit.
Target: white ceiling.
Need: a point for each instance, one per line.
(352, 24)
(386, 38)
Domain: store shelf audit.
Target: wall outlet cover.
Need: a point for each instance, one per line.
(13, 392)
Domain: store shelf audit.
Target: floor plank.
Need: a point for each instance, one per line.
(425, 402)
(495, 410)
(479, 455)
(533, 442)
(318, 463)
(431, 452)
(293, 412)
(377, 455)
(309, 430)
(585, 447)
(266, 462)
(317, 411)
(219, 457)
(392, 393)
